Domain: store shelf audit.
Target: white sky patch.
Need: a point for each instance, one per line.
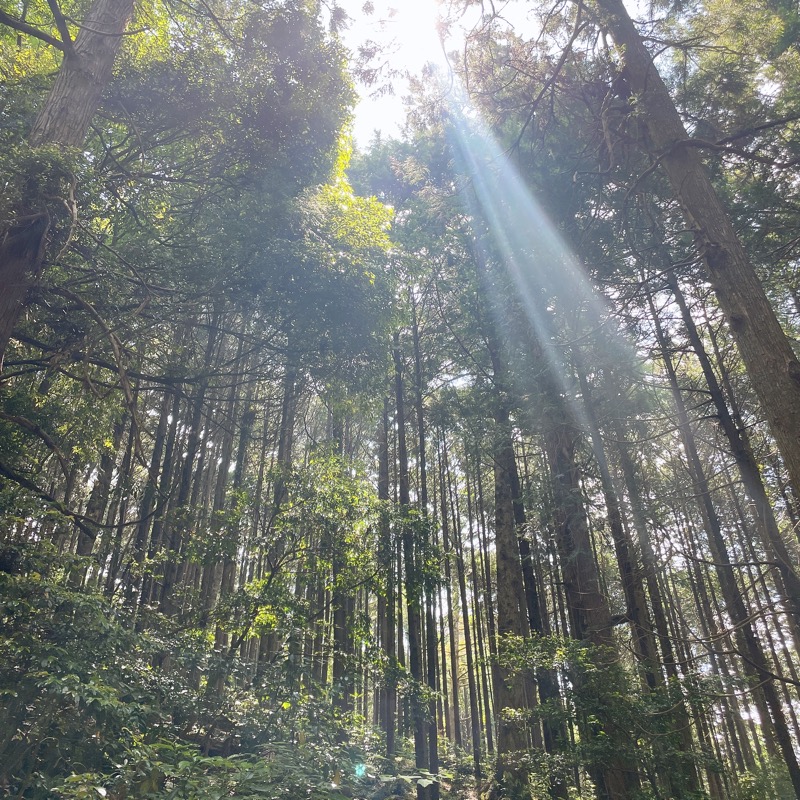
(407, 32)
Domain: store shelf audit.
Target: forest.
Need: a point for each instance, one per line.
(461, 464)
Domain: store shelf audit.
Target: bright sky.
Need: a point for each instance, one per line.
(407, 31)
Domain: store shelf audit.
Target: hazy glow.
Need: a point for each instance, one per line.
(407, 31)
(544, 272)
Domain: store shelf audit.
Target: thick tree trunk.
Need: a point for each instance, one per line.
(685, 780)
(766, 351)
(514, 690)
(589, 614)
(21, 254)
(64, 120)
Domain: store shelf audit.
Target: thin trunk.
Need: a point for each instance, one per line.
(471, 685)
(412, 580)
(176, 531)
(430, 628)
(748, 644)
(630, 575)
(389, 688)
(444, 470)
(777, 551)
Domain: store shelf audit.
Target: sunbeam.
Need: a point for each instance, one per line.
(545, 273)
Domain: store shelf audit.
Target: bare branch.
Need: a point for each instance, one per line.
(19, 25)
(61, 24)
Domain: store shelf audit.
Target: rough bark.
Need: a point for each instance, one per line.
(766, 351)
(63, 120)
(513, 689)
(589, 615)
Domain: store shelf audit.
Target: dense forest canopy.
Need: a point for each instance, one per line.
(461, 464)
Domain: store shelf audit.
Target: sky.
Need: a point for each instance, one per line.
(407, 30)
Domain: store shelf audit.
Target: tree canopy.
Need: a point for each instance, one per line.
(464, 464)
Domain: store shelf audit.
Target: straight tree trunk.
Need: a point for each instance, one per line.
(176, 531)
(754, 661)
(412, 582)
(475, 728)
(788, 578)
(64, 119)
(444, 477)
(767, 354)
(589, 615)
(430, 628)
(388, 691)
(553, 734)
(479, 633)
(680, 714)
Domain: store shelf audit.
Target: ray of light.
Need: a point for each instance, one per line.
(557, 297)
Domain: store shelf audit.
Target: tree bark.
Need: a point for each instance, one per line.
(744, 633)
(766, 351)
(430, 629)
(413, 586)
(788, 580)
(63, 120)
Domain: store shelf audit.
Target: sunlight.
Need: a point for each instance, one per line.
(412, 28)
(546, 274)
(408, 35)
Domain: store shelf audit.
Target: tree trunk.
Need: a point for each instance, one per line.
(444, 474)
(412, 582)
(430, 629)
(514, 690)
(589, 615)
(745, 636)
(788, 579)
(767, 354)
(386, 610)
(63, 120)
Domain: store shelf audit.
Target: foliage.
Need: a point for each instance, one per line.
(199, 400)
(88, 713)
(597, 692)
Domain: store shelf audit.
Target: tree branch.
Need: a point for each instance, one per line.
(22, 481)
(61, 24)
(36, 430)
(19, 25)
